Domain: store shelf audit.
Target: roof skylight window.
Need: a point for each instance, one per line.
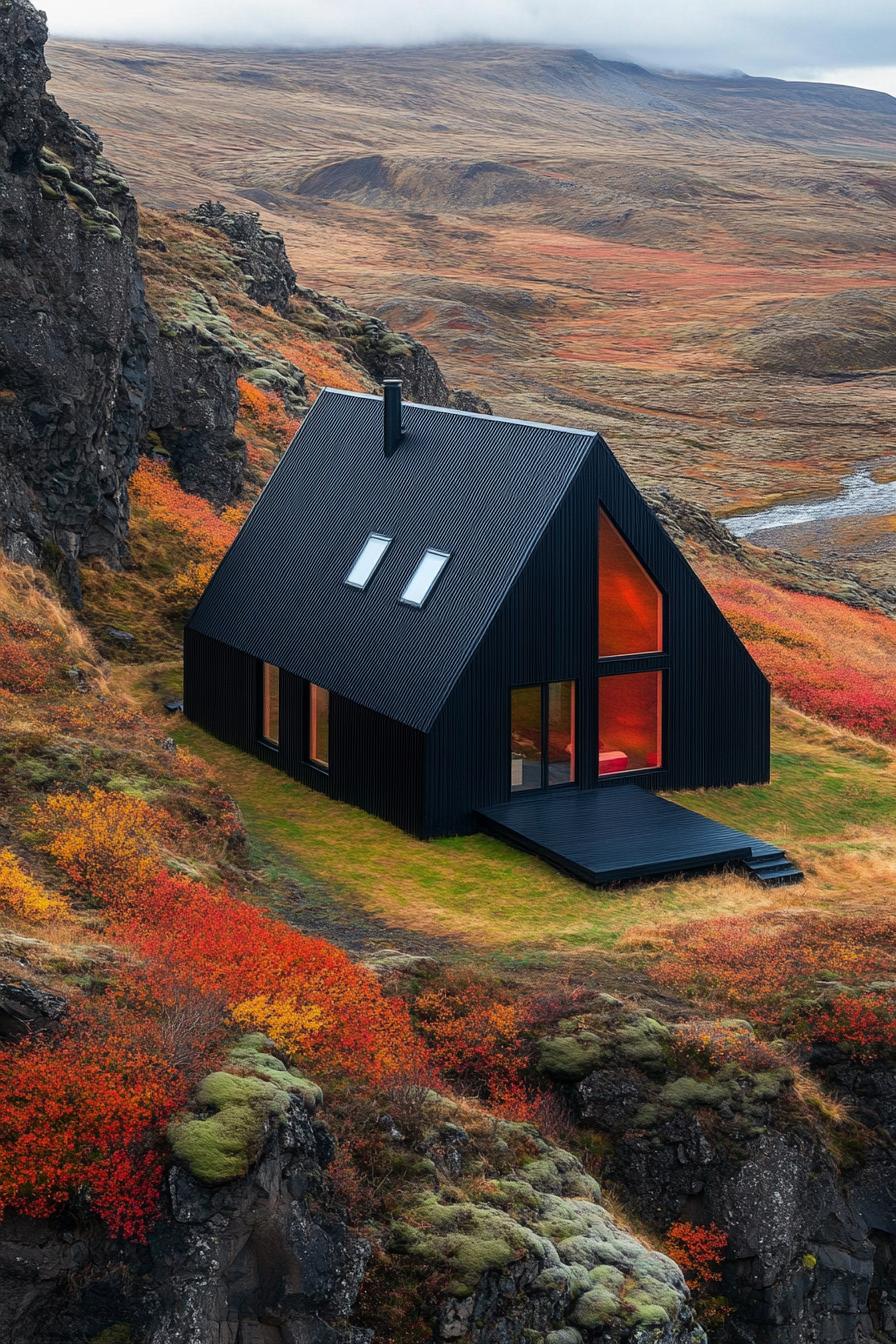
(369, 557)
(423, 579)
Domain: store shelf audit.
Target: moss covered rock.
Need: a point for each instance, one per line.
(222, 1133)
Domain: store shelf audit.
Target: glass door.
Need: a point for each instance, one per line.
(542, 736)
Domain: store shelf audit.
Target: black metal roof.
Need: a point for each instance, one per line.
(478, 486)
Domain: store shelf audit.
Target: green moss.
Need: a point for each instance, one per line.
(644, 1042)
(597, 1307)
(809, 1261)
(694, 1092)
(114, 1334)
(570, 1058)
(463, 1240)
(222, 1135)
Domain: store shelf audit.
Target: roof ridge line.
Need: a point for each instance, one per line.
(476, 415)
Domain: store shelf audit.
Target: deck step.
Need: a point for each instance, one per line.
(773, 869)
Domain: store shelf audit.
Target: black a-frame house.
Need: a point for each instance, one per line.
(458, 621)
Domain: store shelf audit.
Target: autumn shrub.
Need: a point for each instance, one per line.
(207, 533)
(698, 1251)
(712, 1045)
(306, 994)
(107, 844)
(23, 669)
(82, 1114)
(864, 1024)
(780, 969)
(183, 590)
(22, 895)
(827, 659)
(476, 1034)
(265, 412)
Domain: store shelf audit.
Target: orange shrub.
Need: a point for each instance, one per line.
(23, 667)
(82, 1115)
(107, 844)
(779, 968)
(712, 1045)
(475, 1034)
(154, 489)
(322, 364)
(182, 591)
(265, 412)
(23, 896)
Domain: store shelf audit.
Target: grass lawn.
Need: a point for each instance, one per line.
(832, 802)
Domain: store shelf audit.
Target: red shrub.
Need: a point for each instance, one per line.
(80, 1116)
(865, 1024)
(699, 1253)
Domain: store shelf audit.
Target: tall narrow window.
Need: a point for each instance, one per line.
(319, 726)
(630, 606)
(630, 716)
(270, 704)
(561, 762)
(526, 740)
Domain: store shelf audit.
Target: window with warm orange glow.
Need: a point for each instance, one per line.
(561, 732)
(630, 606)
(270, 704)
(542, 736)
(319, 726)
(630, 717)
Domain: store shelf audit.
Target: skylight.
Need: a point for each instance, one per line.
(423, 579)
(370, 555)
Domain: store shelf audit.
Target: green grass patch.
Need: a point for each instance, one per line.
(827, 793)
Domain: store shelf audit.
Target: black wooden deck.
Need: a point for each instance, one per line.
(621, 833)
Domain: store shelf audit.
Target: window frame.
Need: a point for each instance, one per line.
(603, 511)
(626, 666)
(313, 762)
(544, 688)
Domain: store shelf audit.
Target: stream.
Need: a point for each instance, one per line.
(859, 496)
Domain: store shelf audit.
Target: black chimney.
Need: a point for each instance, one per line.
(391, 415)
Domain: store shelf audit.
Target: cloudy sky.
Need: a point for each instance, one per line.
(847, 41)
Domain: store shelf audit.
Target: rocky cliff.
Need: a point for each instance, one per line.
(267, 1259)
(76, 335)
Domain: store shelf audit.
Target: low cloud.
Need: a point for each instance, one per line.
(803, 38)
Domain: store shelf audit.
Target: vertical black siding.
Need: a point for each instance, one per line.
(375, 763)
(717, 701)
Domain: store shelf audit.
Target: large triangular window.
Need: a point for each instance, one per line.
(630, 606)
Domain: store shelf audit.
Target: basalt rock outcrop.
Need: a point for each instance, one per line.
(266, 1259)
(270, 278)
(811, 1225)
(76, 333)
(385, 353)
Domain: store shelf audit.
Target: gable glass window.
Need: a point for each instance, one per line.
(542, 736)
(630, 605)
(630, 717)
(270, 704)
(319, 726)
(369, 557)
(423, 579)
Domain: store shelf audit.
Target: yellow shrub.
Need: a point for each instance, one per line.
(294, 1027)
(23, 896)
